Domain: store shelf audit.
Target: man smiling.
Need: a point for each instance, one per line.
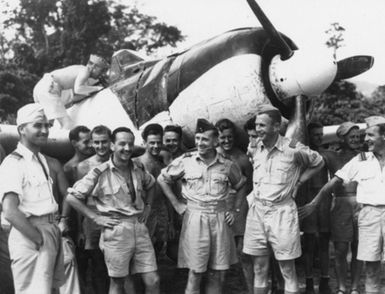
(207, 178)
(367, 169)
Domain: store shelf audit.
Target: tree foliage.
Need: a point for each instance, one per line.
(55, 33)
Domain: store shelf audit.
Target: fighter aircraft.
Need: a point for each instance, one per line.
(229, 75)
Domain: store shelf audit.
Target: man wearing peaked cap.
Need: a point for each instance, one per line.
(374, 120)
(204, 125)
(58, 89)
(345, 128)
(366, 169)
(207, 178)
(30, 207)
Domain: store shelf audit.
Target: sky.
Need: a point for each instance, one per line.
(304, 21)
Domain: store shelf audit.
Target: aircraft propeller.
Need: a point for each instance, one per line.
(353, 66)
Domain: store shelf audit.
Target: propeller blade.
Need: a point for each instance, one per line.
(286, 51)
(353, 66)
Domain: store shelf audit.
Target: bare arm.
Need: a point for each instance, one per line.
(167, 190)
(81, 87)
(104, 221)
(18, 219)
(148, 200)
(326, 190)
(311, 171)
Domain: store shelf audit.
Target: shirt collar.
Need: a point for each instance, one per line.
(25, 152)
(112, 166)
(279, 144)
(218, 157)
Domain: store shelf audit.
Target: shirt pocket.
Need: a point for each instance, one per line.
(218, 184)
(194, 181)
(281, 171)
(38, 186)
(110, 193)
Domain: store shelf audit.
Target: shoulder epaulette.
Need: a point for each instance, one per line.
(293, 143)
(16, 155)
(189, 153)
(100, 168)
(362, 156)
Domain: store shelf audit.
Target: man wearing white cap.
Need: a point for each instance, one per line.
(59, 88)
(367, 169)
(29, 206)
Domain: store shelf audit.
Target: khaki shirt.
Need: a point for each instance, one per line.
(277, 171)
(22, 174)
(201, 182)
(111, 191)
(369, 176)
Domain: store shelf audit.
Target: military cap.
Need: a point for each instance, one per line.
(345, 128)
(152, 129)
(374, 120)
(99, 61)
(204, 125)
(29, 113)
(266, 107)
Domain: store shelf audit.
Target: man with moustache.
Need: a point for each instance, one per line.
(280, 166)
(206, 242)
(89, 232)
(226, 138)
(122, 189)
(366, 169)
(30, 207)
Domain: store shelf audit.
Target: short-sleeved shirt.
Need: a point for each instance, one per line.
(111, 190)
(277, 171)
(366, 171)
(201, 182)
(27, 175)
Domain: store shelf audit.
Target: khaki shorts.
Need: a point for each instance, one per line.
(371, 233)
(128, 249)
(37, 271)
(52, 97)
(344, 219)
(206, 241)
(275, 226)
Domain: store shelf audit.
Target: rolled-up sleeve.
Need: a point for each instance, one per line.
(174, 171)
(148, 180)
(349, 171)
(308, 157)
(237, 180)
(86, 186)
(11, 176)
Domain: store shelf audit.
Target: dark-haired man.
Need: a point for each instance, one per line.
(122, 189)
(367, 169)
(172, 140)
(226, 139)
(89, 232)
(30, 207)
(59, 88)
(81, 142)
(280, 165)
(316, 227)
(158, 221)
(206, 241)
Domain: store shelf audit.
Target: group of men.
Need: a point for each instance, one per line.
(205, 208)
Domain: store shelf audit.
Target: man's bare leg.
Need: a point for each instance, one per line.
(372, 281)
(261, 274)
(341, 267)
(289, 275)
(193, 282)
(309, 245)
(355, 266)
(116, 286)
(214, 281)
(151, 282)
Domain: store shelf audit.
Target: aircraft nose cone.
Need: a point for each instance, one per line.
(305, 73)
